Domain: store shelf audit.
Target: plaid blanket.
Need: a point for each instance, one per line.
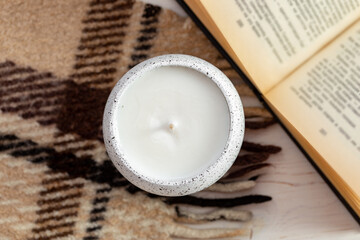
(58, 63)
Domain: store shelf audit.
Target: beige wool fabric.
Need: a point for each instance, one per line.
(58, 63)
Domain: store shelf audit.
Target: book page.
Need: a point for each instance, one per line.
(205, 19)
(322, 101)
(272, 38)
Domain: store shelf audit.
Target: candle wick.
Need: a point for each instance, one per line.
(171, 127)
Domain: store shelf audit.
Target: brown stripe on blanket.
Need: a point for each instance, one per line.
(23, 90)
(147, 32)
(100, 44)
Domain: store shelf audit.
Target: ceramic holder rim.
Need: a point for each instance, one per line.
(202, 179)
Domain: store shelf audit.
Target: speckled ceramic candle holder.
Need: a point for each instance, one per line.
(204, 177)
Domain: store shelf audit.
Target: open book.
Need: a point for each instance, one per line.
(304, 60)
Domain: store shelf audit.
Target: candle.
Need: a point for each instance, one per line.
(173, 125)
(172, 122)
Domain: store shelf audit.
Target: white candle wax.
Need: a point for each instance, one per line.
(172, 122)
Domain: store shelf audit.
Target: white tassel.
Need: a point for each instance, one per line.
(231, 187)
(185, 232)
(227, 214)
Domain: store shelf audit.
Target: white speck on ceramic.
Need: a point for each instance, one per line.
(202, 179)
